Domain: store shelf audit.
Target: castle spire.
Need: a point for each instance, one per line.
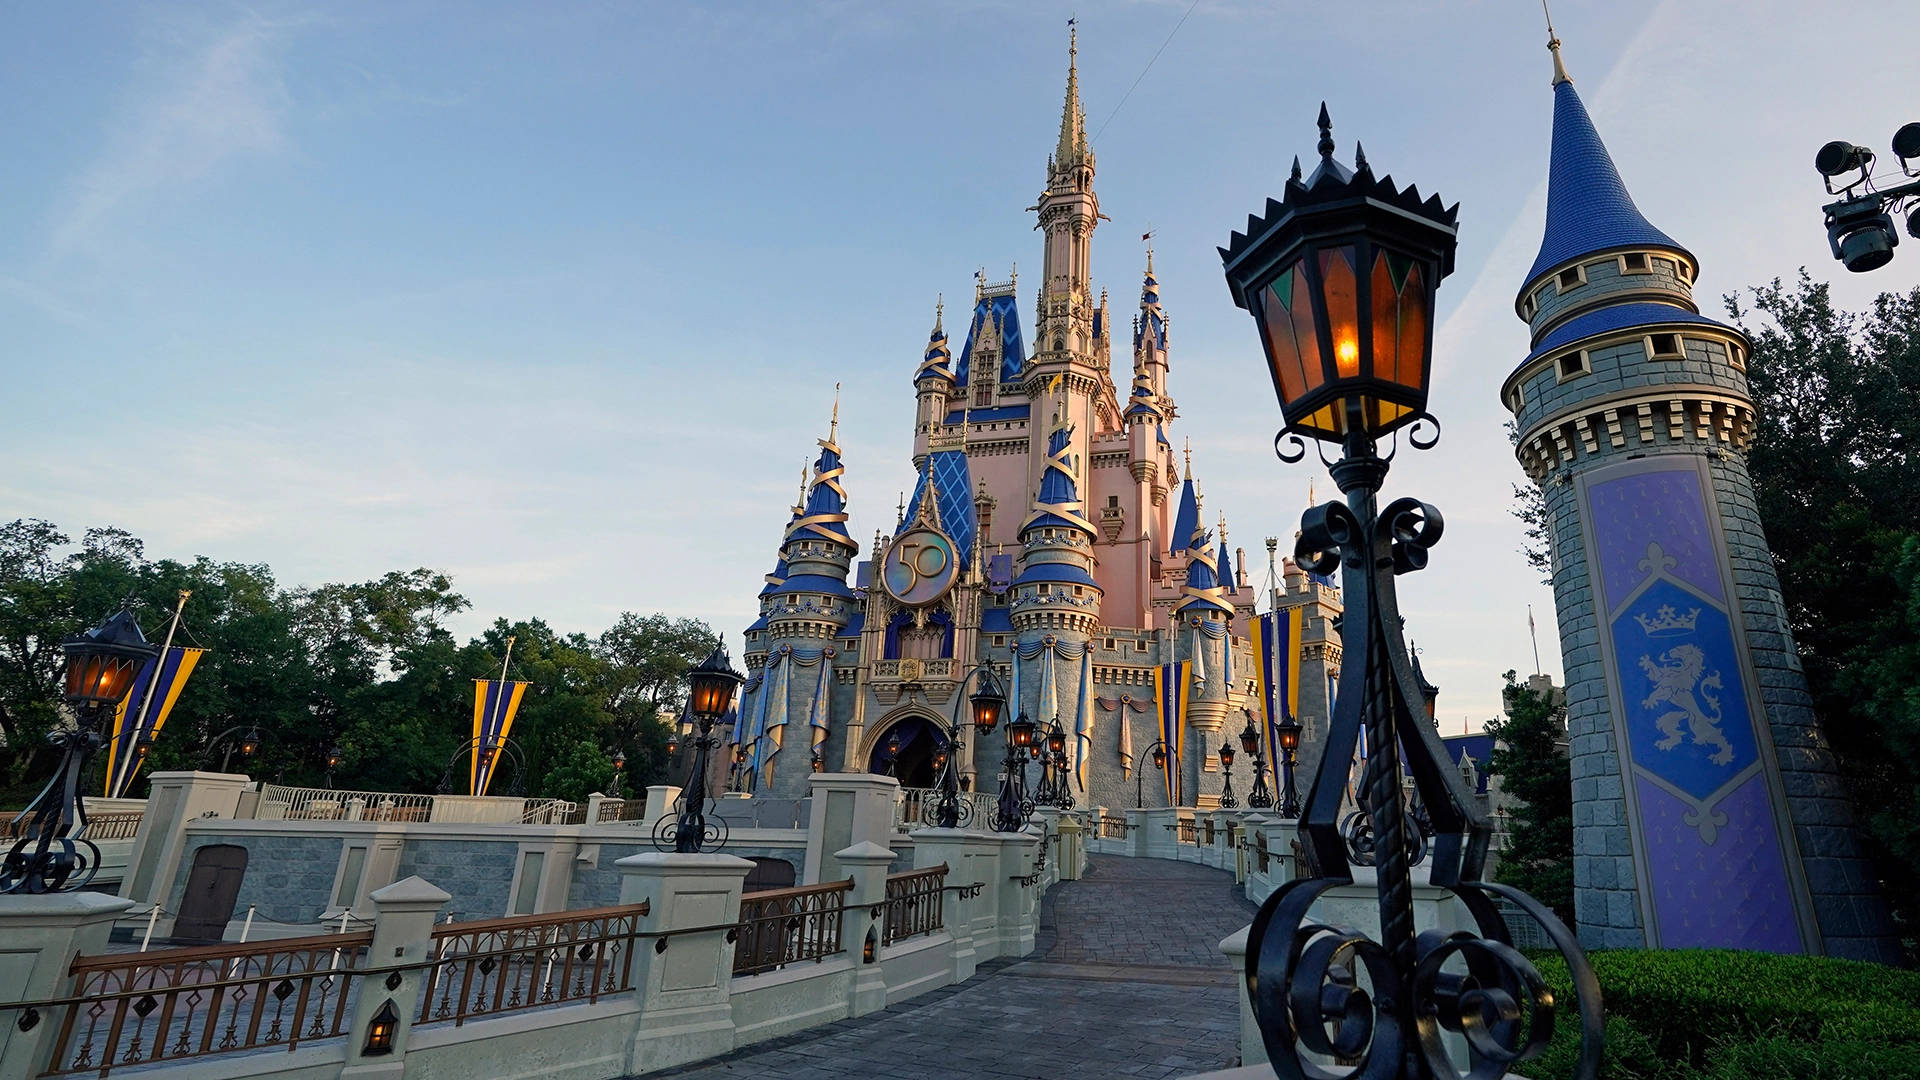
(1553, 46)
(1073, 119)
(833, 430)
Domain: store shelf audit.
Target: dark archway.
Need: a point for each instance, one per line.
(768, 873)
(213, 887)
(905, 751)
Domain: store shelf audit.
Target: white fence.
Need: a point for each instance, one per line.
(280, 803)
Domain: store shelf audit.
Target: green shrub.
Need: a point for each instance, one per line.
(1705, 1014)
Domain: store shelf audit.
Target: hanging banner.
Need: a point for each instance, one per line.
(1276, 651)
(1170, 692)
(135, 717)
(495, 703)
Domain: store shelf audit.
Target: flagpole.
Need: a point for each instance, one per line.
(1533, 633)
(159, 663)
(500, 707)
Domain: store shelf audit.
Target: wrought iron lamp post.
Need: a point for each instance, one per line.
(949, 811)
(52, 853)
(1158, 752)
(1227, 800)
(1289, 760)
(711, 687)
(1015, 806)
(487, 755)
(245, 738)
(619, 770)
(1340, 275)
(1063, 777)
(1261, 797)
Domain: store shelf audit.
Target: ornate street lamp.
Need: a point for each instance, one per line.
(620, 770)
(1227, 801)
(1261, 797)
(711, 688)
(1340, 277)
(983, 711)
(51, 854)
(1158, 752)
(246, 738)
(1289, 759)
(1015, 807)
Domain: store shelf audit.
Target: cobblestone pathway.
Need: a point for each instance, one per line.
(1126, 981)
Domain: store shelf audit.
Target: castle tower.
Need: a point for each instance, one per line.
(1056, 602)
(788, 714)
(933, 385)
(1707, 808)
(1200, 624)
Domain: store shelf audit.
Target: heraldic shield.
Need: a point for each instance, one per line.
(1702, 796)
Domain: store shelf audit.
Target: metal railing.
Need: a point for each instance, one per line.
(913, 904)
(113, 826)
(1206, 830)
(918, 806)
(782, 926)
(1113, 828)
(552, 812)
(621, 810)
(141, 1008)
(1185, 831)
(325, 804)
(500, 965)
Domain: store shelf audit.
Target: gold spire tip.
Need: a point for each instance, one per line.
(833, 430)
(1553, 46)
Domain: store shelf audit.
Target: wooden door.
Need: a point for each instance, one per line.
(213, 885)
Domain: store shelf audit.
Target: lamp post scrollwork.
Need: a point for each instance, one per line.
(711, 688)
(1340, 276)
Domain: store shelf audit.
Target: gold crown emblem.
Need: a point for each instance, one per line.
(1668, 623)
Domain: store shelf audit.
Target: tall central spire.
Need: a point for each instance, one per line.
(1073, 119)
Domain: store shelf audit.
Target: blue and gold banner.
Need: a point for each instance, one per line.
(495, 703)
(1170, 691)
(1276, 653)
(135, 718)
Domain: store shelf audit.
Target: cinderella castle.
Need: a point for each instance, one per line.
(1053, 533)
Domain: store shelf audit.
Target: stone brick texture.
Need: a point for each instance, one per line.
(1852, 920)
(1127, 980)
(290, 879)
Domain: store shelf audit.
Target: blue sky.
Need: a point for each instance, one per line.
(554, 297)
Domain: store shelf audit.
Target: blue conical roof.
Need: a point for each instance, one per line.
(1588, 208)
(1058, 503)
(1186, 520)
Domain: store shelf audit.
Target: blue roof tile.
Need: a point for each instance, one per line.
(996, 620)
(1588, 208)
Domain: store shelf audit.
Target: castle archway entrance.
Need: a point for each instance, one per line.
(905, 751)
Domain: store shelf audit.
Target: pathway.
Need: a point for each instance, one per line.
(1127, 980)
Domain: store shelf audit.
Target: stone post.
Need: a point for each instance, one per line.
(1137, 834)
(1072, 850)
(956, 848)
(846, 809)
(683, 988)
(1016, 908)
(42, 934)
(403, 918)
(594, 802)
(177, 798)
(660, 799)
(1158, 823)
(866, 863)
(1253, 1049)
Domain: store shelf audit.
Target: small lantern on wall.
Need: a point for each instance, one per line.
(381, 1030)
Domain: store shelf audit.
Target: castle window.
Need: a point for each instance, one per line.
(1664, 347)
(1635, 262)
(1113, 501)
(1572, 365)
(1737, 356)
(1516, 400)
(1110, 644)
(999, 641)
(1045, 589)
(1527, 308)
(1686, 272)
(1078, 591)
(983, 395)
(1572, 278)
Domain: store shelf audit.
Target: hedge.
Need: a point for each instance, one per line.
(1718, 1014)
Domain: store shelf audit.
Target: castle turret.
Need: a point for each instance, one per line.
(933, 384)
(1200, 636)
(1056, 602)
(1708, 810)
(789, 712)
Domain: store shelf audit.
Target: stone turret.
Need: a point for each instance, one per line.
(1707, 808)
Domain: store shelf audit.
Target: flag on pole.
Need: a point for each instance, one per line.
(495, 703)
(134, 718)
(1170, 691)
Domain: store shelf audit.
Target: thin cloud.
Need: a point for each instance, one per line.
(223, 100)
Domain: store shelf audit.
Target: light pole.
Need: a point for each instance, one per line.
(711, 688)
(1340, 276)
(619, 770)
(1261, 797)
(245, 738)
(1158, 752)
(1227, 801)
(52, 853)
(949, 812)
(1289, 759)
(1014, 807)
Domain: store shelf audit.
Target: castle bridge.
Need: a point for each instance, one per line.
(1126, 978)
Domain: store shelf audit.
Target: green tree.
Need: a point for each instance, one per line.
(644, 685)
(1837, 396)
(1533, 768)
